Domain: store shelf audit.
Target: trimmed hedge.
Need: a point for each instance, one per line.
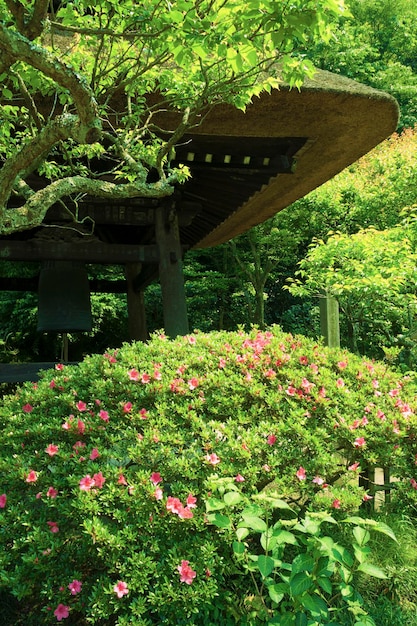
(106, 468)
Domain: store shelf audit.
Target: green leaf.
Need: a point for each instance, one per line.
(232, 497)
(242, 533)
(300, 583)
(361, 535)
(265, 564)
(213, 504)
(303, 563)
(300, 619)
(238, 547)
(372, 570)
(221, 521)
(325, 584)
(315, 604)
(284, 536)
(254, 523)
(277, 591)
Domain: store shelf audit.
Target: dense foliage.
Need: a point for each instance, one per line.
(83, 86)
(112, 473)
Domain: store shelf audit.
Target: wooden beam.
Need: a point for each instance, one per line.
(36, 250)
(97, 285)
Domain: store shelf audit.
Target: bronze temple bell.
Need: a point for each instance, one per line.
(64, 298)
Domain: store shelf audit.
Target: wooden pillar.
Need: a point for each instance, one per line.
(135, 304)
(171, 271)
(329, 321)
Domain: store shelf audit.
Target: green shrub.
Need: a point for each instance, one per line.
(106, 469)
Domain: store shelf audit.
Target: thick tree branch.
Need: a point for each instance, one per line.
(60, 128)
(19, 47)
(32, 213)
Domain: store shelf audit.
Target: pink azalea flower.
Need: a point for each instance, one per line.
(103, 415)
(318, 480)
(187, 574)
(340, 383)
(3, 500)
(61, 612)
(367, 497)
(99, 480)
(303, 360)
(121, 480)
(133, 374)
(27, 408)
(53, 527)
(174, 505)
(342, 365)
(32, 477)
(52, 493)
(81, 406)
(75, 587)
(222, 363)
(158, 493)
(51, 449)
(290, 390)
(271, 439)
(80, 427)
(59, 367)
(354, 466)
(86, 483)
(381, 415)
(413, 483)
(239, 478)
(301, 473)
(359, 442)
(185, 512)
(94, 454)
(193, 383)
(191, 340)
(120, 589)
(191, 501)
(336, 504)
(145, 379)
(143, 414)
(157, 374)
(78, 445)
(212, 458)
(156, 478)
(127, 407)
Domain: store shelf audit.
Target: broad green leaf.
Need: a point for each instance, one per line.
(214, 504)
(232, 497)
(238, 547)
(361, 535)
(221, 521)
(277, 591)
(299, 583)
(372, 570)
(325, 584)
(265, 564)
(255, 523)
(284, 536)
(242, 533)
(300, 619)
(315, 604)
(303, 563)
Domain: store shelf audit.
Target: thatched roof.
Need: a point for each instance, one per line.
(339, 119)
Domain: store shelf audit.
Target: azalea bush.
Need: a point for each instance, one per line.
(108, 468)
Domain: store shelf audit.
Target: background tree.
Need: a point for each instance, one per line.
(372, 274)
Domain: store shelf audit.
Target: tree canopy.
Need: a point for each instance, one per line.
(84, 85)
